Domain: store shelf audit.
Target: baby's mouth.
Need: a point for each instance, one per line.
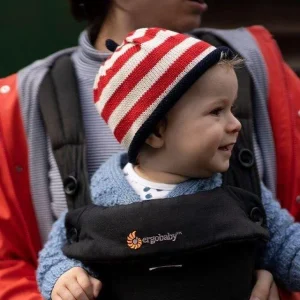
(228, 147)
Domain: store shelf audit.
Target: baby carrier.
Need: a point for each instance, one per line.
(201, 246)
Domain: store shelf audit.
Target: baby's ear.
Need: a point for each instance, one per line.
(156, 138)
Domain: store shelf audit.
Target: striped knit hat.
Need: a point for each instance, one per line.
(143, 79)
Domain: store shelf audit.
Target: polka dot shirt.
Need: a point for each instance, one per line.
(146, 189)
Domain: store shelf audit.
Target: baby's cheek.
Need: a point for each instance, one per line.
(213, 142)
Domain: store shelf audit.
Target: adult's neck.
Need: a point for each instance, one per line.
(115, 27)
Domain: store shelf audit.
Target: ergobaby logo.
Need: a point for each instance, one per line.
(134, 242)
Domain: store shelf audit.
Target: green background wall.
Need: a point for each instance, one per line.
(33, 29)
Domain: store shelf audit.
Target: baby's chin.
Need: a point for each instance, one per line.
(199, 171)
(210, 172)
(222, 169)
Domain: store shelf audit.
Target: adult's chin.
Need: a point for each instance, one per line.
(188, 24)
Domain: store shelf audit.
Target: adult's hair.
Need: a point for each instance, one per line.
(92, 11)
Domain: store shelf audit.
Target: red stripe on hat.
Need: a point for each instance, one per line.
(102, 83)
(158, 88)
(150, 34)
(139, 72)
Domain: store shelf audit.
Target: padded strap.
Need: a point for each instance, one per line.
(61, 113)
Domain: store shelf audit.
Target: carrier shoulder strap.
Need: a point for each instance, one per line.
(61, 112)
(243, 171)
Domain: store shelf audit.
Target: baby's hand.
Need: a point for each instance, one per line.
(76, 284)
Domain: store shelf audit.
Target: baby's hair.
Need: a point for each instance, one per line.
(234, 62)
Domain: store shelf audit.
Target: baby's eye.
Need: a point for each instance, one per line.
(216, 111)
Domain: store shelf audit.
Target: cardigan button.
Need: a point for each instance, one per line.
(298, 199)
(256, 216)
(4, 89)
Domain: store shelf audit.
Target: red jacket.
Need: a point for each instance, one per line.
(284, 109)
(19, 235)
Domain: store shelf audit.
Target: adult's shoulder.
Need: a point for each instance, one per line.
(28, 82)
(36, 70)
(254, 29)
(241, 39)
(260, 31)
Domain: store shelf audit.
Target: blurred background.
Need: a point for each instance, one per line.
(33, 29)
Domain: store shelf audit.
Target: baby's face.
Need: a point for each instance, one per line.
(201, 129)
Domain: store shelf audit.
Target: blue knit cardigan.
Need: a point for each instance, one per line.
(109, 187)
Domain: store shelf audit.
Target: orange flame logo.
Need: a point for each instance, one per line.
(133, 241)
